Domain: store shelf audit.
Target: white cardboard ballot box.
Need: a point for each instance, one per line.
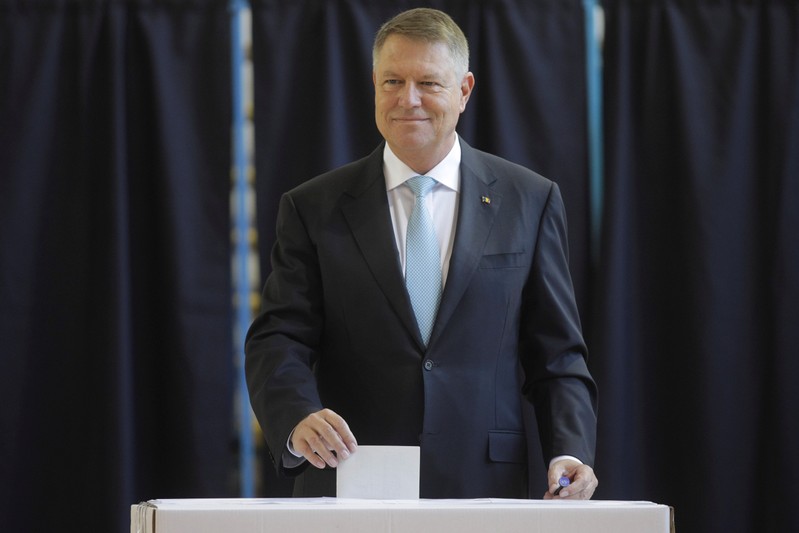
(317, 515)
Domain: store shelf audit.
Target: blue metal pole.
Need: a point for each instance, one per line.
(243, 313)
(595, 134)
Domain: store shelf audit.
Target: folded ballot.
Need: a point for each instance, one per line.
(380, 473)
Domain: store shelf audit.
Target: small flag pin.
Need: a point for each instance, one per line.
(486, 200)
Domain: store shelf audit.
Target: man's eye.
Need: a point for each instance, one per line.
(391, 85)
(430, 86)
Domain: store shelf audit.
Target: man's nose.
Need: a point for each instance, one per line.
(410, 95)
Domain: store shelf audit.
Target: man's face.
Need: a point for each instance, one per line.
(418, 99)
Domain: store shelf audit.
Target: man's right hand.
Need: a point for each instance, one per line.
(323, 438)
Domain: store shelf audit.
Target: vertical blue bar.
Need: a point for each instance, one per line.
(595, 135)
(243, 314)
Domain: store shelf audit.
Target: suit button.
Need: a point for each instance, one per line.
(428, 365)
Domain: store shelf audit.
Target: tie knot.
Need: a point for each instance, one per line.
(421, 185)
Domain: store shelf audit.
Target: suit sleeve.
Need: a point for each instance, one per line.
(553, 351)
(282, 343)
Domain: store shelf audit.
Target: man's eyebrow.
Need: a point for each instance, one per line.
(427, 76)
(387, 73)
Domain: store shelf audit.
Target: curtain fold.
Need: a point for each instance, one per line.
(696, 329)
(115, 272)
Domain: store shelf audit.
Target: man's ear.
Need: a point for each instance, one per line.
(467, 85)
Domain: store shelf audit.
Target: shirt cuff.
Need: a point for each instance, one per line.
(291, 459)
(562, 457)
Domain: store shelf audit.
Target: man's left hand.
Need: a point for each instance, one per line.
(582, 481)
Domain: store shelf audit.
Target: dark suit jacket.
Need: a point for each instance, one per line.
(338, 331)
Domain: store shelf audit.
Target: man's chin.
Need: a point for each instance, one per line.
(411, 141)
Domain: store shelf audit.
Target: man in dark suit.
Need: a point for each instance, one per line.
(343, 347)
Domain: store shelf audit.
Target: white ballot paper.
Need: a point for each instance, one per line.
(380, 473)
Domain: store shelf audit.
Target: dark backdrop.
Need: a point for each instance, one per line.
(697, 329)
(115, 327)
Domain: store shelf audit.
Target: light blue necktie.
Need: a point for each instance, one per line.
(422, 259)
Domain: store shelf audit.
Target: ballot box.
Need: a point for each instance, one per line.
(318, 515)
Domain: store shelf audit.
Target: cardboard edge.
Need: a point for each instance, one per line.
(142, 517)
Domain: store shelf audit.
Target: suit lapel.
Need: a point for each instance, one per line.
(477, 206)
(365, 208)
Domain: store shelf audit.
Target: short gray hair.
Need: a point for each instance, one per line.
(430, 25)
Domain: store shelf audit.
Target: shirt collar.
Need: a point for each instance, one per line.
(447, 172)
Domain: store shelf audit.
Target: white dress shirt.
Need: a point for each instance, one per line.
(441, 201)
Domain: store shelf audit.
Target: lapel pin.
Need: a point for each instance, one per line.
(486, 200)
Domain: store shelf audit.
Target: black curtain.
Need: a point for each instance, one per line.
(698, 328)
(115, 259)
(314, 103)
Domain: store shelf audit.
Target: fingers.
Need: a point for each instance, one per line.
(323, 438)
(582, 481)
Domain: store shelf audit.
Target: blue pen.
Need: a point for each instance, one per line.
(564, 481)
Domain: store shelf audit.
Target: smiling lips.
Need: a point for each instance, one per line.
(409, 120)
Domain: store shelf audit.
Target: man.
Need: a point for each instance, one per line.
(487, 321)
